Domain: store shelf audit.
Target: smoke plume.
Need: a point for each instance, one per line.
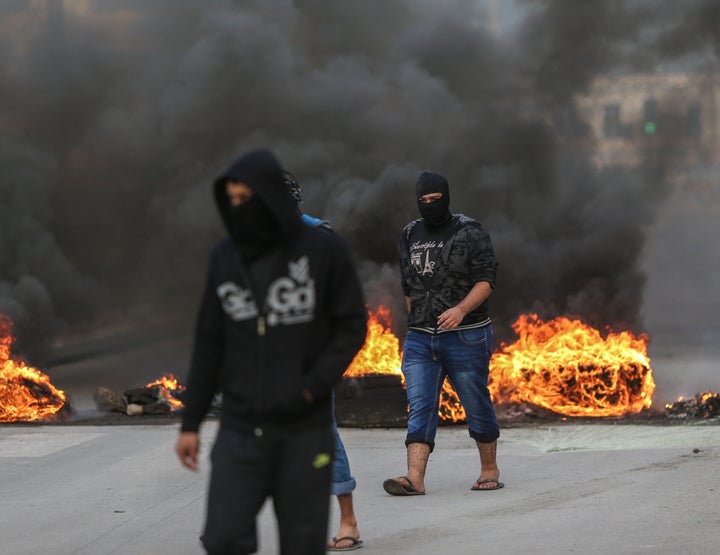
(116, 116)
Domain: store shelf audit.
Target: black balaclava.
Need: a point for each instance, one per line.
(253, 227)
(434, 214)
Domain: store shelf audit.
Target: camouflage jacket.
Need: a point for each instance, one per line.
(466, 259)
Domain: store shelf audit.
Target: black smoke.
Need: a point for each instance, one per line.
(117, 114)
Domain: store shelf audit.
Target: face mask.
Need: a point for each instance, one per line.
(253, 227)
(434, 214)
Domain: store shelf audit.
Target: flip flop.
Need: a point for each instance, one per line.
(394, 487)
(356, 544)
(497, 485)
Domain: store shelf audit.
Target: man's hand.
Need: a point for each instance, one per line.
(187, 448)
(451, 318)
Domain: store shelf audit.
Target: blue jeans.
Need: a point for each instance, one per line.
(342, 480)
(462, 356)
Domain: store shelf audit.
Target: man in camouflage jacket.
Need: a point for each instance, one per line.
(448, 270)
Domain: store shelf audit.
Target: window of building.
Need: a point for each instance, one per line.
(612, 126)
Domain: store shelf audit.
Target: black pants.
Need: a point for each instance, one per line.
(295, 469)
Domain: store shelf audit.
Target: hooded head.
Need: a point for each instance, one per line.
(270, 217)
(436, 212)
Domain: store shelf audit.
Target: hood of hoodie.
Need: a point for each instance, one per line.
(261, 171)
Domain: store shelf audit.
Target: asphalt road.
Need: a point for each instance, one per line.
(580, 488)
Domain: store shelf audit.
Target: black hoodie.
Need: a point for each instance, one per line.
(289, 318)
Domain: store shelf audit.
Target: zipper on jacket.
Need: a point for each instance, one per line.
(261, 327)
(261, 331)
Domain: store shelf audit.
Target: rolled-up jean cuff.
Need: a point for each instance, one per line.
(419, 439)
(343, 488)
(487, 437)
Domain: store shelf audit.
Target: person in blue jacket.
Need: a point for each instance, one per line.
(343, 482)
(281, 318)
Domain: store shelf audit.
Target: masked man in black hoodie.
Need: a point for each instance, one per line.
(281, 318)
(448, 268)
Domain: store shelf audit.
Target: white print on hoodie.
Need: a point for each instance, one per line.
(290, 299)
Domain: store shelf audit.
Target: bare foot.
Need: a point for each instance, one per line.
(487, 483)
(348, 534)
(416, 485)
(344, 537)
(402, 486)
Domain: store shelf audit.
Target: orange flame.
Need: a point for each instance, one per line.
(26, 394)
(567, 367)
(562, 365)
(705, 404)
(450, 409)
(707, 395)
(169, 384)
(381, 352)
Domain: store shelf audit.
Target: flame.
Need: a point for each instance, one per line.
(450, 409)
(381, 352)
(706, 396)
(169, 387)
(706, 405)
(26, 394)
(562, 365)
(567, 367)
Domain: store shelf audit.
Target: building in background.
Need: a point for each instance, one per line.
(672, 119)
(630, 115)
